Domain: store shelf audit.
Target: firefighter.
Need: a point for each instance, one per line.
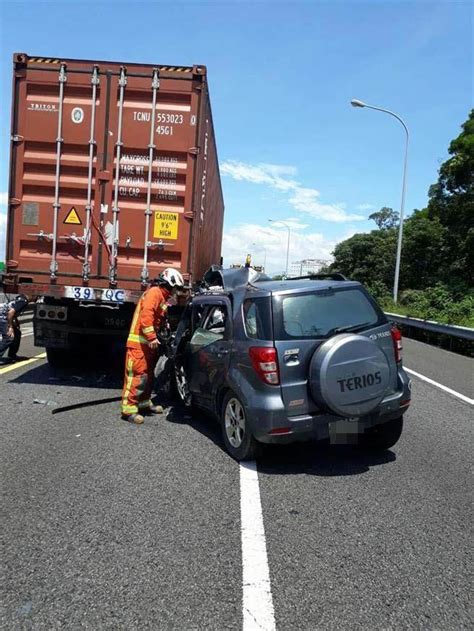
(142, 347)
(10, 332)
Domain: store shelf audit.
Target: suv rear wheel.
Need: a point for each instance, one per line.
(238, 438)
(384, 436)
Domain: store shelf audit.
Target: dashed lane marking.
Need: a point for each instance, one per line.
(21, 364)
(257, 601)
(460, 396)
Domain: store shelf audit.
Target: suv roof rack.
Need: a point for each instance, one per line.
(333, 276)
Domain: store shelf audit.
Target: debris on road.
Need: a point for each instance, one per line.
(44, 402)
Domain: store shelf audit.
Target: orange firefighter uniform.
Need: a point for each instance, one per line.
(141, 359)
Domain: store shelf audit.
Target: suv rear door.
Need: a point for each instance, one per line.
(304, 319)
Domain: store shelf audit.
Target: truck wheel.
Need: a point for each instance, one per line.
(383, 436)
(238, 438)
(57, 357)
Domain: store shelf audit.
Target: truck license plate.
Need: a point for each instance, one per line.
(80, 293)
(90, 293)
(112, 295)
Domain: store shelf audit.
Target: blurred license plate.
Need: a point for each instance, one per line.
(345, 426)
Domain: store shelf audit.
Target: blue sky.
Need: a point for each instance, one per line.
(281, 76)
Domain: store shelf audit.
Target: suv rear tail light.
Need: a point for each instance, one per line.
(397, 343)
(265, 363)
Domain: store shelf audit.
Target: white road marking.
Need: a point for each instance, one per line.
(257, 599)
(441, 387)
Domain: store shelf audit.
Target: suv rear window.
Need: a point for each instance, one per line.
(318, 314)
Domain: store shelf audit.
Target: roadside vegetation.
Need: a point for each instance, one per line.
(437, 265)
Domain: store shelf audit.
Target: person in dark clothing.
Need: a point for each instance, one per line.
(10, 331)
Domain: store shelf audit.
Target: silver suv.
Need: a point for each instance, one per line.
(282, 361)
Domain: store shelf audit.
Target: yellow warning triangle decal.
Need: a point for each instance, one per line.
(73, 217)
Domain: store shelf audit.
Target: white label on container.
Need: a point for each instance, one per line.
(77, 115)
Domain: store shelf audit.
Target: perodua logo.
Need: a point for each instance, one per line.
(358, 383)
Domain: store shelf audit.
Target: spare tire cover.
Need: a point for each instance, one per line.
(349, 374)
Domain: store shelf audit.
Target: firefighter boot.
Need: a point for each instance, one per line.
(133, 418)
(153, 409)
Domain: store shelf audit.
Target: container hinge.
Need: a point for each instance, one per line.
(95, 76)
(73, 237)
(158, 244)
(123, 77)
(17, 138)
(41, 235)
(62, 74)
(14, 201)
(155, 84)
(194, 151)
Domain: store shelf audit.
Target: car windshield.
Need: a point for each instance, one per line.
(323, 313)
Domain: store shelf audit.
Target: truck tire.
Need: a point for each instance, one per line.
(57, 357)
(384, 436)
(238, 439)
(349, 375)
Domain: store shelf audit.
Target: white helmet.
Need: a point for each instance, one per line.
(172, 277)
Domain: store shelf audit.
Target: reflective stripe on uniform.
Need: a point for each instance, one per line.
(136, 315)
(148, 329)
(137, 338)
(128, 409)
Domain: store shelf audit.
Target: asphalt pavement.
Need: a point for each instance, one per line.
(107, 525)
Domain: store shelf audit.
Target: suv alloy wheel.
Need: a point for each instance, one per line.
(238, 439)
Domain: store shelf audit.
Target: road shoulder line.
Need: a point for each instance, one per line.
(257, 601)
(460, 396)
(21, 364)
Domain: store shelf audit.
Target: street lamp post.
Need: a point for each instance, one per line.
(357, 103)
(288, 244)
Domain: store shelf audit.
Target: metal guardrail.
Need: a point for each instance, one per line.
(453, 330)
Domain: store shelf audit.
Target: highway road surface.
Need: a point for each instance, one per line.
(111, 526)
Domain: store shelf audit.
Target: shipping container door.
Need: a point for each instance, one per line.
(54, 171)
(152, 132)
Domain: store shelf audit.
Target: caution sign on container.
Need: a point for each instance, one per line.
(166, 225)
(73, 218)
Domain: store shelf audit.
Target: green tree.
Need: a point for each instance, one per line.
(451, 202)
(422, 252)
(367, 257)
(385, 218)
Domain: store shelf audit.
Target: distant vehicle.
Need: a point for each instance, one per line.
(283, 361)
(113, 177)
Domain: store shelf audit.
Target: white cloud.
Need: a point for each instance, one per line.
(238, 242)
(281, 177)
(272, 174)
(3, 199)
(365, 207)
